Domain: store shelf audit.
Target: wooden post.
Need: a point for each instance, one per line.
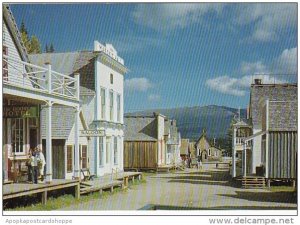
(245, 159)
(111, 189)
(77, 191)
(76, 143)
(294, 184)
(233, 154)
(49, 143)
(101, 191)
(140, 177)
(268, 183)
(44, 197)
(132, 179)
(126, 181)
(49, 78)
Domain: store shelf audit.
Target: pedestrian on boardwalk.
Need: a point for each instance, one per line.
(41, 163)
(35, 166)
(30, 165)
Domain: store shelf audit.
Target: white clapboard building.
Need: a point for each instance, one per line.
(101, 112)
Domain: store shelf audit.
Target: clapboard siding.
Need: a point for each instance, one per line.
(140, 154)
(283, 155)
(15, 70)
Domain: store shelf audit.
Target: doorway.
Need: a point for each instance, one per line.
(33, 137)
(58, 158)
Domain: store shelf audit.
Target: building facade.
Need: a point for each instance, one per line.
(27, 88)
(101, 79)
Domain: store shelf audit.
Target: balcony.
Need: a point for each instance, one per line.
(241, 140)
(18, 75)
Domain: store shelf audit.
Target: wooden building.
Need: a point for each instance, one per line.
(206, 150)
(148, 145)
(27, 88)
(101, 131)
(273, 143)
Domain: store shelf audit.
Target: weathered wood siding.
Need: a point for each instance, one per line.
(140, 154)
(15, 70)
(283, 155)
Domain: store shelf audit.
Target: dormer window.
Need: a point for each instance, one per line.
(111, 78)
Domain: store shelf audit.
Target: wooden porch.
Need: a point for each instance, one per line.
(109, 182)
(15, 190)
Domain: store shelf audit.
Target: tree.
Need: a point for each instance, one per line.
(229, 137)
(32, 44)
(35, 47)
(24, 36)
(51, 48)
(46, 49)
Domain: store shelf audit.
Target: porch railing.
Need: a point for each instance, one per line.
(37, 78)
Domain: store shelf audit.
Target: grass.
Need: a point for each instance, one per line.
(68, 200)
(282, 189)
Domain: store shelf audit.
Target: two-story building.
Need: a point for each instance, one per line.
(27, 88)
(271, 149)
(101, 79)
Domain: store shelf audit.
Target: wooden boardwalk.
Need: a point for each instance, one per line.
(109, 182)
(15, 190)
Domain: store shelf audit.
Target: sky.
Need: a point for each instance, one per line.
(179, 54)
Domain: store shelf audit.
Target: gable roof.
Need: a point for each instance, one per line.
(14, 31)
(140, 129)
(203, 135)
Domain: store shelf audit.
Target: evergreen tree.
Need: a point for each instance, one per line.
(23, 28)
(35, 47)
(46, 49)
(51, 48)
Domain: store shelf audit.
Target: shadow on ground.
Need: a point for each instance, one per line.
(279, 197)
(216, 177)
(170, 207)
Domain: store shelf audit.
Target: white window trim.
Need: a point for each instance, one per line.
(105, 105)
(111, 114)
(118, 116)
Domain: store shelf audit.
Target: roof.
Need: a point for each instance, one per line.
(66, 62)
(13, 28)
(274, 92)
(140, 129)
(241, 124)
(203, 135)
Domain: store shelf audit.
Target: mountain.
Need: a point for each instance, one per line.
(192, 120)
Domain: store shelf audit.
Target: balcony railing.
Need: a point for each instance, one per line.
(37, 78)
(241, 141)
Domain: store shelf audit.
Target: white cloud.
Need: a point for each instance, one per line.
(154, 97)
(252, 68)
(171, 16)
(269, 19)
(137, 84)
(286, 63)
(238, 86)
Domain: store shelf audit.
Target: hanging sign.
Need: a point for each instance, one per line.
(15, 111)
(92, 133)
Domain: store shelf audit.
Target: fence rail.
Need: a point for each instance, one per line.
(42, 79)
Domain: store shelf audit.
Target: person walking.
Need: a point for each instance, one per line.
(199, 163)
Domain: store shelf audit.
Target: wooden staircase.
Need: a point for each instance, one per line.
(85, 188)
(253, 182)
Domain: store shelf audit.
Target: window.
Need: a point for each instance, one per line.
(111, 78)
(84, 156)
(119, 108)
(101, 151)
(4, 64)
(115, 150)
(111, 105)
(208, 152)
(102, 93)
(69, 158)
(108, 144)
(17, 130)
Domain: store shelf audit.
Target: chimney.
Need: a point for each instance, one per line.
(257, 81)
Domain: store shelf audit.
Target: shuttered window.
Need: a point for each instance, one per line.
(119, 108)
(69, 158)
(84, 156)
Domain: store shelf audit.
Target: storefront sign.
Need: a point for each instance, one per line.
(92, 133)
(14, 111)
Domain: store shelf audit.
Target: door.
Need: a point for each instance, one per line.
(204, 156)
(33, 137)
(58, 158)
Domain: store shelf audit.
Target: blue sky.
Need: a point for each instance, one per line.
(178, 54)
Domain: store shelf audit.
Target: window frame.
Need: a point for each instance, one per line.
(118, 107)
(101, 152)
(84, 160)
(115, 140)
(21, 133)
(111, 105)
(103, 103)
(72, 157)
